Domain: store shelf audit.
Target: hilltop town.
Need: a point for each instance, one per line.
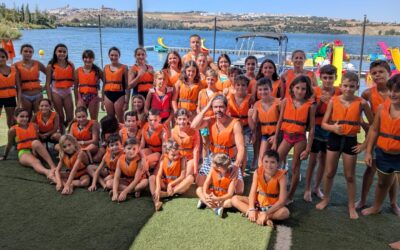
(69, 16)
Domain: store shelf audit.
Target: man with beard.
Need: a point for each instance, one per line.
(226, 136)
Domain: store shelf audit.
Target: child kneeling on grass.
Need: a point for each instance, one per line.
(267, 197)
(219, 187)
(171, 177)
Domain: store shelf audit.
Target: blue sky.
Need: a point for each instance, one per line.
(384, 10)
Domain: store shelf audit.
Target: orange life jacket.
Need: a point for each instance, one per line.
(290, 76)
(129, 170)
(322, 106)
(171, 80)
(154, 141)
(125, 134)
(8, 85)
(204, 99)
(45, 127)
(348, 118)
(223, 141)
(9, 47)
(186, 144)
(220, 86)
(188, 57)
(114, 80)
(239, 111)
(170, 171)
(268, 192)
(276, 85)
(112, 162)
(145, 81)
(252, 84)
(25, 137)
(87, 82)
(389, 131)
(203, 81)
(295, 119)
(84, 134)
(220, 184)
(188, 96)
(63, 77)
(29, 77)
(375, 99)
(69, 162)
(268, 119)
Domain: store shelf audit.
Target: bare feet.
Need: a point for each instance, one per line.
(158, 205)
(137, 194)
(322, 204)
(395, 245)
(289, 201)
(360, 204)
(369, 211)
(353, 213)
(395, 209)
(318, 193)
(307, 196)
(270, 223)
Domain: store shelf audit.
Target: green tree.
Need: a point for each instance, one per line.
(27, 14)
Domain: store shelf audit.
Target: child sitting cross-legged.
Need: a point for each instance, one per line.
(219, 186)
(266, 201)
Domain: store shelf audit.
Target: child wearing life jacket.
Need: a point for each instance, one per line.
(267, 197)
(233, 72)
(171, 177)
(268, 70)
(153, 134)
(172, 68)
(377, 94)
(188, 140)
(297, 114)
(138, 105)
(342, 120)
(115, 93)
(104, 173)
(141, 75)
(76, 161)
(239, 103)
(47, 122)
(264, 114)
(202, 64)
(298, 60)
(322, 96)
(85, 131)
(384, 136)
(130, 174)
(160, 98)
(59, 82)
(9, 87)
(187, 88)
(223, 82)
(219, 187)
(205, 95)
(87, 84)
(250, 64)
(131, 127)
(30, 149)
(29, 74)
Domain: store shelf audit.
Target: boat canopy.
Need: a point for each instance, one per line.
(269, 35)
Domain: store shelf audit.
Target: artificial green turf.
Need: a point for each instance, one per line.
(181, 225)
(34, 216)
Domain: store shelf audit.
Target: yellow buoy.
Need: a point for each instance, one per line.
(41, 52)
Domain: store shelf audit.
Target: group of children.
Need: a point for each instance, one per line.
(156, 145)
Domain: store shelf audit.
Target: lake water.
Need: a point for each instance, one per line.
(78, 39)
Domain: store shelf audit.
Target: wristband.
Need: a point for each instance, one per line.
(251, 209)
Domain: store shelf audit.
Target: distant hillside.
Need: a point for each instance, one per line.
(202, 20)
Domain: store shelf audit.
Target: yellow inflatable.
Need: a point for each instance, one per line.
(41, 52)
(337, 61)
